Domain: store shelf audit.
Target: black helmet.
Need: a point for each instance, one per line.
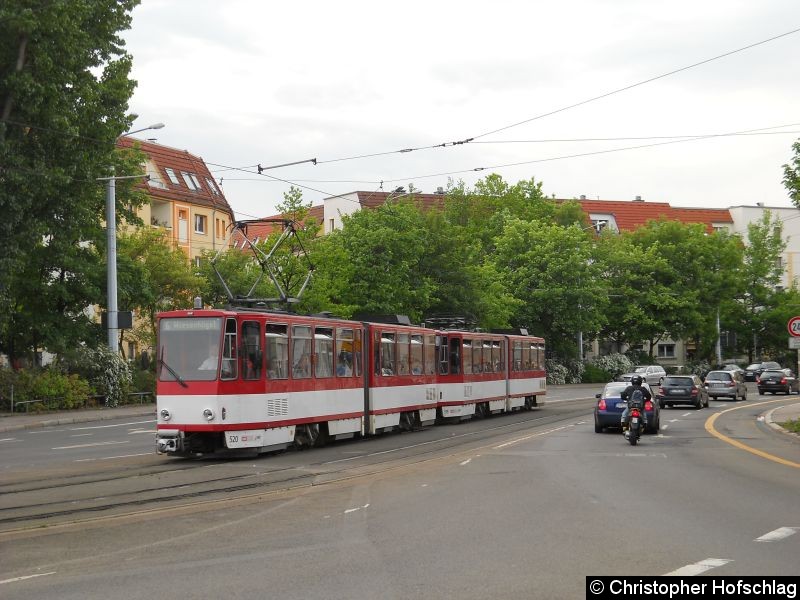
(636, 380)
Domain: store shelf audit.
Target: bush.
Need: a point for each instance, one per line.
(613, 364)
(108, 373)
(54, 388)
(594, 374)
(556, 372)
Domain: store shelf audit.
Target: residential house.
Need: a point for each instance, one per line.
(184, 198)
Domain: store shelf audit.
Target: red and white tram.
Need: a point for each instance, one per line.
(257, 381)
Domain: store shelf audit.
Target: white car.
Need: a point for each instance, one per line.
(652, 374)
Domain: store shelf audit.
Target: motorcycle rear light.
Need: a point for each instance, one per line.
(648, 405)
(635, 413)
(601, 405)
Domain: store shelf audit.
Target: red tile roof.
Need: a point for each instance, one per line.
(630, 215)
(262, 231)
(375, 199)
(180, 161)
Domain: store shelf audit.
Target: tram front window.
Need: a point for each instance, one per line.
(190, 348)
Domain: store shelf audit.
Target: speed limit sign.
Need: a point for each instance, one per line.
(794, 326)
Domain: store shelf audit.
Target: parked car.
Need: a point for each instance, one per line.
(778, 380)
(609, 406)
(735, 368)
(729, 384)
(652, 374)
(682, 389)
(752, 372)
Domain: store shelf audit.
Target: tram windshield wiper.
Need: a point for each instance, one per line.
(172, 372)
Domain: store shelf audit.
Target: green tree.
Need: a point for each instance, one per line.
(63, 102)
(791, 175)
(761, 274)
(552, 272)
(153, 276)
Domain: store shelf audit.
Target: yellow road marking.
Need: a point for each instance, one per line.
(710, 429)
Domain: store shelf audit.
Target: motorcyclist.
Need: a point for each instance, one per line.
(636, 384)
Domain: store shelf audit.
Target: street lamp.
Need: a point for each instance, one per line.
(111, 237)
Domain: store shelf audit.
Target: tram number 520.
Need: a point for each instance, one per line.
(247, 438)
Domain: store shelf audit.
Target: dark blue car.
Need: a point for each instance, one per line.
(609, 406)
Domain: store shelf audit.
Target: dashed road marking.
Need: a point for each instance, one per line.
(89, 445)
(352, 510)
(13, 579)
(700, 567)
(778, 534)
(113, 457)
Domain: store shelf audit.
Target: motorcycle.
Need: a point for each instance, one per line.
(633, 430)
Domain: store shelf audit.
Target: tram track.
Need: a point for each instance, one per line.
(28, 504)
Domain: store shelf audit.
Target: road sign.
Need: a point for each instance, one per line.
(794, 343)
(794, 326)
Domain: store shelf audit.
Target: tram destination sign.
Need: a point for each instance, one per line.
(794, 326)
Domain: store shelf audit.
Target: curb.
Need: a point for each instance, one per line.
(71, 420)
(776, 426)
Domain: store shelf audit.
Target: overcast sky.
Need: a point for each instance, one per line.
(242, 83)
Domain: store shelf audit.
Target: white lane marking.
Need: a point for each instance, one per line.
(465, 462)
(150, 431)
(80, 434)
(107, 426)
(700, 567)
(113, 457)
(533, 435)
(45, 431)
(686, 414)
(13, 579)
(665, 426)
(778, 534)
(89, 445)
(351, 510)
(10, 440)
(674, 420)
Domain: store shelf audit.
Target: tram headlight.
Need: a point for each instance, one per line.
(165, 414)
(208, 414)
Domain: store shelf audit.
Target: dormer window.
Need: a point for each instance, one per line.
(172, 176)
(191, 181)
(212, 186)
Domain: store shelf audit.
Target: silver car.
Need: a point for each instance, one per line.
(728, 384)
(652, 374)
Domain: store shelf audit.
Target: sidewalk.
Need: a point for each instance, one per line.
(788, 412)
(17, 421)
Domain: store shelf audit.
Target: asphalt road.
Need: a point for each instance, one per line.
(517, 506)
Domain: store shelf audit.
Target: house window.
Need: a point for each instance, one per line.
(197, 262)
(212, 186)
(191, 181)
(666, 351)
(331, 225)
(200, 223)
(172, 176)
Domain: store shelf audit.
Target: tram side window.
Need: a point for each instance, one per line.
(477, 356)
(488, 365)
(526, 357)
(455, 356)
(344, 352)
(229, 363)
(497, 357)
(252, 356)
(430, 354)
(516, 363)
(388, 353)
(323, 352)
(534, 356)
(357, 352)
(301, 351)
(466, 352)
(416, 354)
(402, 354)
(277, 350)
